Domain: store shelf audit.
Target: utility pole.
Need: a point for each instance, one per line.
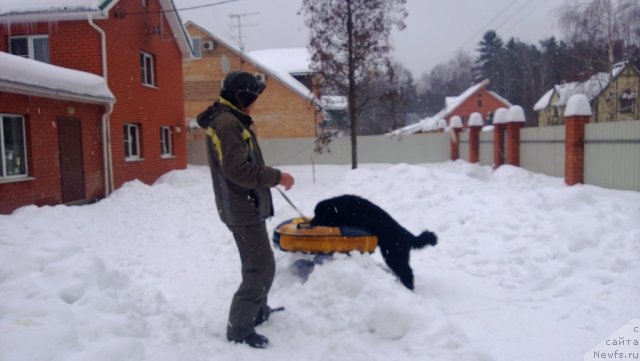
(239, 17)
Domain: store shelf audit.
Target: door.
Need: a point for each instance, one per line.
(71, 169)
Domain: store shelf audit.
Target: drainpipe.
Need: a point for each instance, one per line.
(106, 126)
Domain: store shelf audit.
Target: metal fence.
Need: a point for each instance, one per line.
(612, 155)
(612, 151)
(542, 150)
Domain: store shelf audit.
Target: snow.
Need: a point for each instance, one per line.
(526, 268)
(456, 122)
(33, 6)
(19, 72)
(284, 63)
(591, 87)
(451, 104)
(475, 120)
(515, 114)
(500, 116)
(544, 101)
(578, 105)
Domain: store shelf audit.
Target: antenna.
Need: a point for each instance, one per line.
(239, 17)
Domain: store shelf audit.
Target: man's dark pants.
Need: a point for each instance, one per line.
(258, 269)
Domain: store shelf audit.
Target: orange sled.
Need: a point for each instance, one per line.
(297, 235)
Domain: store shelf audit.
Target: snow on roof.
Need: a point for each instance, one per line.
(334, 102)
(591, 88)
(26, 76)
(451, 103)
(42, 10)
(544, 101)
(9, 7)
(285, 63)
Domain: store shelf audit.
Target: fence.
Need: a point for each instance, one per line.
(412, 149)
(611, 151)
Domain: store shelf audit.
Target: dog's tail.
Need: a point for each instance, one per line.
(425, 239)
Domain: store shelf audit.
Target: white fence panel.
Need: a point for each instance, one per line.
(464, 146)
(542, 150)
(486, 148)
(612, 155)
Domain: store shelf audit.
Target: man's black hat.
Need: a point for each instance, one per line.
(241, 89)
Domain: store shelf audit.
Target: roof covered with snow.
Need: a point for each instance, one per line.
(278, 63)
(285, 63)
(13, 7)
(591, 88)
(451, 104)
(25, 76)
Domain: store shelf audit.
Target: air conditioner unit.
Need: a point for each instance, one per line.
(261, 77)
(207, 45)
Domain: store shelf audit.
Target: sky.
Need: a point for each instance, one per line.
(436, 29)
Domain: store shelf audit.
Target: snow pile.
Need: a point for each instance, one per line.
(148, 274)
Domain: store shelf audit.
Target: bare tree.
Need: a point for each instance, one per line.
(349, 45)
(602, 23)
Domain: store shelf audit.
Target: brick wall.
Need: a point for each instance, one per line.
(43, 157)
(76, 45)
(152, 107)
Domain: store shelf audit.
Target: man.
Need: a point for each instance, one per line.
(241, 183)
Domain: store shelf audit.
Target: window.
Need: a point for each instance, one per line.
(131, 141)
(166, 144)
(13, 149)
(147, 69)
(627, 101)
(32, 47)
(197, 50)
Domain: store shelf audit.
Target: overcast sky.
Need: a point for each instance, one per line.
(435, 30)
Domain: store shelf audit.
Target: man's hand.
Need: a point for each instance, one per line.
(286, 180)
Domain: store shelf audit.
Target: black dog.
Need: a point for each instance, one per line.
(394, 240)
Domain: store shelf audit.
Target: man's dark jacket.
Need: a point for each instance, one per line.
(241, 181)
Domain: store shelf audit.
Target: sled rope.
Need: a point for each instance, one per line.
(293, 205)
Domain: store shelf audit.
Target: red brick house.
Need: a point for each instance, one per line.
(76, 146)
(287, 109)
(475, 99)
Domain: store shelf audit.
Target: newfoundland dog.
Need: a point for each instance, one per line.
(394, 240)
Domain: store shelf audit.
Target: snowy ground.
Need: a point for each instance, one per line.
(526, 269)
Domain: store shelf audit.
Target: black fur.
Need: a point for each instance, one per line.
(394, 240)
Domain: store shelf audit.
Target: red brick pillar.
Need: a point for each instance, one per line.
(515, 121)
(456, 128)
(499, 119)
(475, 125)
(577, 115)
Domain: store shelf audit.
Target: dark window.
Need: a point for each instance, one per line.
(13, 162)
(33, 47)
(131, 141)
(627, 101)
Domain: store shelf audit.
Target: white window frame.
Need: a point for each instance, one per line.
(130, 147)
(31, 54)
(148, 69)
(196, 44)
(166, 142)
(3, 149)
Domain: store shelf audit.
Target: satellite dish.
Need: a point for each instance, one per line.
(224, 63)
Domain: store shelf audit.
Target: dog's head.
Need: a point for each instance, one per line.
(338, 211)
